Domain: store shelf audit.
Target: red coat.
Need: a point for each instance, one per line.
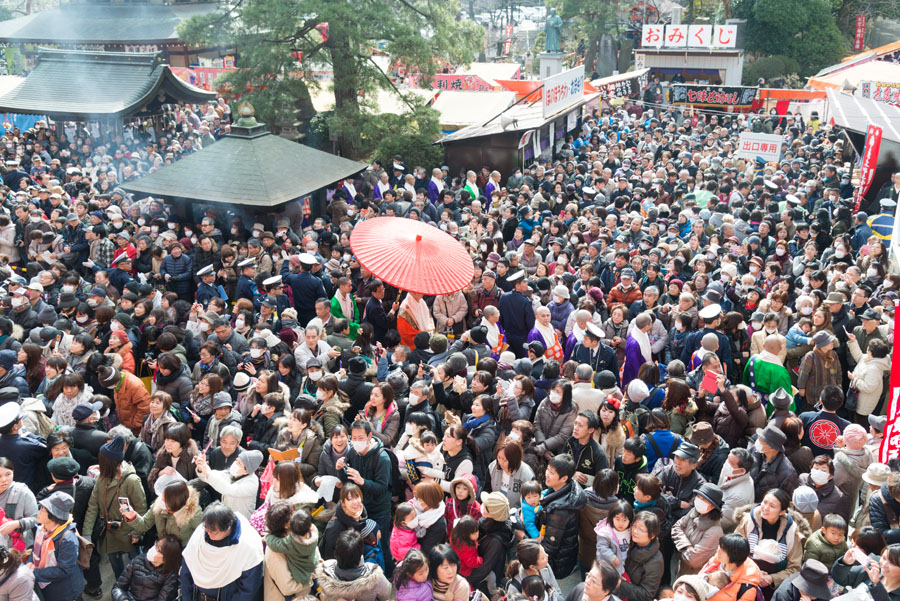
(468, 558)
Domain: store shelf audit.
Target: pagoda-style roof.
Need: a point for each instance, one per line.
(82, 86)
(91, 23)
(248, 167)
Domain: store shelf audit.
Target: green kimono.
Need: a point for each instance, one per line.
(765, 378)
(338, 313)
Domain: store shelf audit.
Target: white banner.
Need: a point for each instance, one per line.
(572, 120)
(689, 36)
(563, 90)
(767, 146)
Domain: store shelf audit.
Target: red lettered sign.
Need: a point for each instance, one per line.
(869, 161)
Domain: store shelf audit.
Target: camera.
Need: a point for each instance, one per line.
(113, 525)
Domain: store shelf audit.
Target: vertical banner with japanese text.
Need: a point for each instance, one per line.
(869, 162)
(890, 444)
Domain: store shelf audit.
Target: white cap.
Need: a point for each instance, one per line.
(246, 263)
(515, 277)
(206, 270)
(9, 413)
(710, 311)
(594, 329)
(275, 279)
(307, 259)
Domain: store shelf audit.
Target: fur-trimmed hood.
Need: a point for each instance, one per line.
(335, 405)
(802, 523)
(183, 515)
(365, 587)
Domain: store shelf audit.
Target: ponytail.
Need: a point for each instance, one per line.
(512, 570)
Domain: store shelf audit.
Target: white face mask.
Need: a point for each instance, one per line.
(414, 399)
(754, 269)
(188, 233)
(234, 231)
(234, 470)
(359, 445)
(81, 319)
(679, 326)
(756, 325)
(701, 505)
(768, 331)
(204, 326)
(315, 376)
(410, 429)
(555, 398)
(779, 251)
(839, 253)
(92, 302)
(483, 248)
(558, 300)
(819, 477)
(115, 326)
(172, 226)
(18, 301)
(757, 446)
(680, 597)
(806, 310)
(320, 394)
(871, 273)
(152, 554)
(238, 324)
(154, 229)
(513, 436)
(68, 289)
(256, 233)
(256, 353)
(142, 221)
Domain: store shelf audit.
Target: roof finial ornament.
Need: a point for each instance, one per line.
(246, 112)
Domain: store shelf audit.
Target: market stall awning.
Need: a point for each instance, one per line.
(248, 167)
(855, 114)
(81, 86)
(459, 109)
(129, 23)
(851, 76)
(491, 72)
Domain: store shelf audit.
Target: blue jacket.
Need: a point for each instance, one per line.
(65, 578)
(665, 440)
(795, 337)
(529, 520)
(860, 236)
(306, 288)
(29, 454)
(181, 270)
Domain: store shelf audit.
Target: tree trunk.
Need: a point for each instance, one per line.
(346, 74)
(471, 4)
(593, 47)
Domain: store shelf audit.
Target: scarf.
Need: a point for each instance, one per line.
(429, 517)
(768, 357)
(204, 368)
(547, 333)
(213, 566)
(643, 340)
(382, 188)
(44, 552)
(706, 453)
(493, 332)
(439, 184)
(472, 188)
(578, 332)
(827, 357)
(474, 422)
(411, 188)
(439, 588)
(346, 303)
(351, 574)
(419, 313)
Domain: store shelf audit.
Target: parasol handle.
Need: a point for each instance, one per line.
(418, 237)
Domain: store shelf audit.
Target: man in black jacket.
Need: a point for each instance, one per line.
(85, 433)
(584, 449)
(263, 423)
(560, 505)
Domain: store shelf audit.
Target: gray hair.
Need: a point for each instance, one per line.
(313, 328)
(126, 433)
(232, 431)
(652, 290)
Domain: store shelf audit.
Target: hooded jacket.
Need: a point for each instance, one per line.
(697, 539)
(331, 414)
(104, 506)
(884, 511)
(559, 517)
(180, 524)
(746, 574)
(371, 585)
(868, 378)
(594, 510)
(34, 417)
(494, 538)
(337, 524)
(375, 468)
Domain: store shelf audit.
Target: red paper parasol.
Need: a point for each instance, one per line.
(412, 255)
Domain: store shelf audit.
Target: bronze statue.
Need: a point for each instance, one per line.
(553, 32)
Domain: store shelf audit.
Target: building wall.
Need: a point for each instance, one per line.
(732, 63)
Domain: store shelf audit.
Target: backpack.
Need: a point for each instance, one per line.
(661, 460)
(746, 587)
(398, 482)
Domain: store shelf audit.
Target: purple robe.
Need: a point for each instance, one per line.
(488, 189)
(433, 192)
(571, 341)
(634, 358)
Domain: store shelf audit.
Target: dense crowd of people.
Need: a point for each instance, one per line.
(667, 377)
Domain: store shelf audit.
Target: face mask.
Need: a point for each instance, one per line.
(871, 273)
(142, 221)
(840, 254)
(770, 332)
(701, 506)
(92, 302)
(756, 325)
(152, 554)
(680, 597)
(68, 288)
(483, 248)
(754, 269)
(513, 436)
(410, 429)
(233, 470)
(188, 233)
(154, 228)
(679, 326)
(18, 301)
(779, 251)
(645, 245)
(819, 477)
(573, 240)
(555, 398)
(115, 326)
(757, 446)
(346, 258)
(256, 233)
(256, 353)
(414, 399)
(81, 319)
(315, 376)
(491, 264)
(359, 445)
(238, 324)
(172, 226)
(320, 394)
(806, 310)
(204, 326)
(35, 219)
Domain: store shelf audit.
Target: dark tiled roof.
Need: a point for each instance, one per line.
(71, 85)
(247, 167)
(110, 23)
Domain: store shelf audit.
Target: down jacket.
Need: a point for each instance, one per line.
(552, 428)
(181, 270)
(143, 581)
(644, 567)
(868, 377)
(559, 517)
(697, 539)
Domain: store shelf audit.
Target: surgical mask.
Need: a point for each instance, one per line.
(92, 302)
(256, 353)
(68, 288)
(18, 301)
(233, 471)
(871, 272)
(142, 221)
(756, 325)
(346, 257)
(154, 229)
(573, 240)
(679, 326)
(238, 324)
(315, 376)
(81, 319)
(256, 233)
(819, 477)
(117, 224)
(491, 264)
(558, 300)
(115, 326)
(770, 332)
(701, 505)
(555, 398)
(234, 231)
(483, 247)
(513, 436)
(414, 399)
(726, 473)
(35, 219)
(204, 326)
(680, 597)
(152, 554)
(320, 394)
(645, 245)
(754, 269)
(172, 226)
(807, 310)
(780, 251)
(359, 445)
(840, 253)
(194, 240)
(188, 233)
(757, 446)
(410, 429)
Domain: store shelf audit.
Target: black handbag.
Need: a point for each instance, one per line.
(852, 400)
